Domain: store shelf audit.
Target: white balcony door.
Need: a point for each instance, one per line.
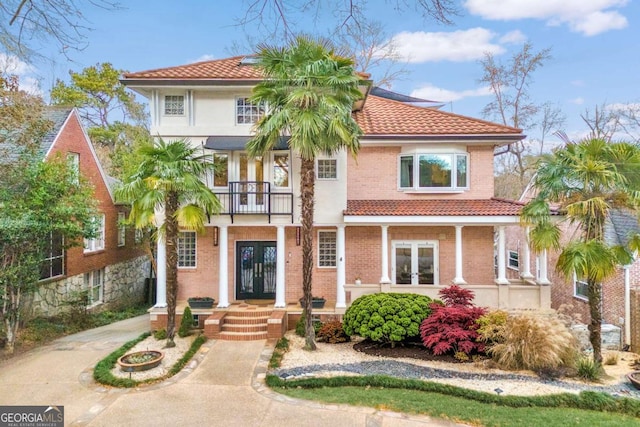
(415, 262)
(251, 173)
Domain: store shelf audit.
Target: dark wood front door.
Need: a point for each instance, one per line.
(256, 270)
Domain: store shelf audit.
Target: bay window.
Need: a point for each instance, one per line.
(433, 171)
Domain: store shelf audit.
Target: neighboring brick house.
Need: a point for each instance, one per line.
(620, 315)
(110, 267)
(413, 213)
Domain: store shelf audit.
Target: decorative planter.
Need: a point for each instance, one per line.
(140, 360)
(358, 282)
(315, 302)
(208, 303)
(634, 378)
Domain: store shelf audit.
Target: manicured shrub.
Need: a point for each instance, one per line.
(452, 328)
(534, 342)
(387, 318)
(588, 369)
(300, 325)
(332, 332)
(185, 323)
(160, 334)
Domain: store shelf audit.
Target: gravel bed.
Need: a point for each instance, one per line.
(298, 363)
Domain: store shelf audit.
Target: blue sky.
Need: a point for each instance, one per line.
(594, 44)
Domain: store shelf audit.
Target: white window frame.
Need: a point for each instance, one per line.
(273, 166)
(511, 258)
(319, 177)
(250, 112)
(325, 260)
(191, 257)
(96, 243)
(122, 229)
(416, 172)
(576, 294)
(213, 178)
(49, 259)
(73, 160)
(94, 280)
(169, 109)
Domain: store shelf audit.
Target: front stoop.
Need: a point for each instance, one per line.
(245, 325)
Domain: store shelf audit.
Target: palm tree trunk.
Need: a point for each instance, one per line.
(307, 181)
(171, 242)
(594, 293)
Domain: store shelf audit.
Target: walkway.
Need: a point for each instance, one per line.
(226, 389)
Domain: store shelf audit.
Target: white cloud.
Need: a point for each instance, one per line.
(589, 17)
(429, 91)
(513, 37)
(578, 101)
(10, 64)
(578, 83)
(458, 46)
(619, 106)
(205, 57)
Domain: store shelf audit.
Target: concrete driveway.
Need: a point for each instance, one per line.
(224, 389)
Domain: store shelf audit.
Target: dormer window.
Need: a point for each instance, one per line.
(433, 171)
(248, 113)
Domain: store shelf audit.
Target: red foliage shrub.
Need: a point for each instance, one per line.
(452, 327)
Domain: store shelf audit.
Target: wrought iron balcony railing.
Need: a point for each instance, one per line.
(255, 198)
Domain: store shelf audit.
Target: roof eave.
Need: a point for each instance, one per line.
(506, 138)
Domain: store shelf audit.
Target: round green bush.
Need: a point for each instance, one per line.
(387, 318)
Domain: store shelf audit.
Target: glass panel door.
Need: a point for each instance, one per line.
(252, 188)
(415, 262)
(256, 270)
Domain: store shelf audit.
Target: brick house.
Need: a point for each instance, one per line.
(620, 293)
(414, 212)
(109, 267)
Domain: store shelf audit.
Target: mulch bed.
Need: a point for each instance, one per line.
(408, 350)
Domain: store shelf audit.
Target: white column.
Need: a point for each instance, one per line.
(385, 255)
(459, 279)
(502, 248)
(543, 280)
(280, 264)
(223, 266)
(526, 256)
(341, 277)
(627, 306)
(161, 274)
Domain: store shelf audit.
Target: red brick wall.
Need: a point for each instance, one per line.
(72, 139)
(375, 163)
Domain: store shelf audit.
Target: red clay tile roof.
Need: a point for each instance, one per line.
(438, 207)
(217, 69)
(382, 116)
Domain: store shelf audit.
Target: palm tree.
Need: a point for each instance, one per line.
(310, 91)
(170, 177)
(584, 181)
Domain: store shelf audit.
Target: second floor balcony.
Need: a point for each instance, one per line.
(255, 198)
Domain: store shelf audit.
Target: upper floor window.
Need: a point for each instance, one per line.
(187, 249)
(174, 105)
(248, 113)
(221, 169)
(327, 248)
(423, 171)
(281, 170)
(122, 229)
(97, 242)
(73, 161)
(514, 261)
(327, 169)
(53, 261)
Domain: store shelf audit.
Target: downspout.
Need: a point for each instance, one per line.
(627, 307)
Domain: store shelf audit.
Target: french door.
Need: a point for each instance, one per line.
(252, 198)
(256, 270)
(415, 262)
